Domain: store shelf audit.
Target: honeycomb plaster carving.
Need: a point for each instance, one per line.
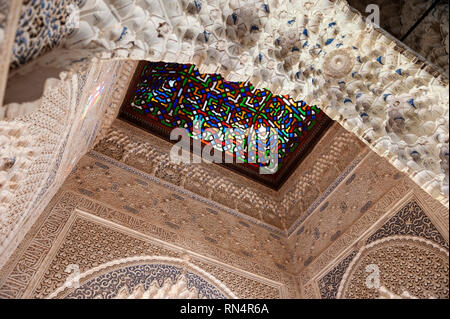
(9, 15)
(385, 120)
(321, 52)
(169, 290)
(429, 38)
(45, 127)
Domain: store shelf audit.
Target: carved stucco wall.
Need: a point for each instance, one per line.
(416, 100)
(322, 52)
(325, 163)
(430, 171)
(81, 230)
(107, 210)
(403, 237)
(404, 263)
(171, 208)
(145, 278)
(49, 142)
(430, 38)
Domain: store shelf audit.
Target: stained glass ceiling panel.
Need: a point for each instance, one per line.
(164, 96)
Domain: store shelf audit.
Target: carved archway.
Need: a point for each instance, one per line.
(144, 277)
(397, 266)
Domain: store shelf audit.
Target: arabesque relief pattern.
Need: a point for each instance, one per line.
(144, 277)
(429, 38)
(408, 254)
(332, 155)
(321, 52)
(88, 240)
(147, 282)
(410, 221)
(329, 284)
(148, 201)
(405, 264)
